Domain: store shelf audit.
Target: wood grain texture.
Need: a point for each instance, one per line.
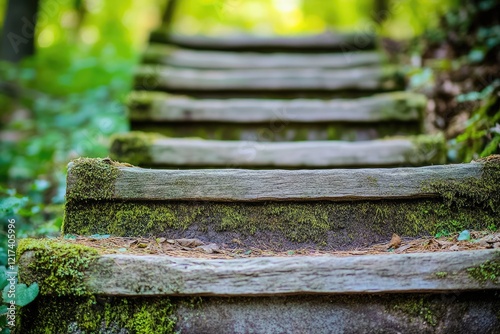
(133, 275)
(306, 154)
(178, 57)
(156, 106)
(281, 185)
(157, 77)
(320, 42)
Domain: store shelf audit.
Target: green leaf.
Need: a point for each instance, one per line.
(23, 294)
(464, 235)
(99, 236)
(12, 204)
(492, 147)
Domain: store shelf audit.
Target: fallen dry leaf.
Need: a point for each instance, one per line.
(395, 241)
(189, 242)
(210, 248)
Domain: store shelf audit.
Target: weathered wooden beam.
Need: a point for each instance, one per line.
(163, 107)
(411, 151)
(178, 57)
(263, 185)
(132, 275)
(321, 42)
(156, 77)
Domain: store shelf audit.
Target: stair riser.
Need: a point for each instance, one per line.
(280, 131)
(278, 225)
(442, 313)
(311, 43)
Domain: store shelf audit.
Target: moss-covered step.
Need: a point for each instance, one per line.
(154, 150)
(321, 42)
(157, 275)
(145, 106)
(70, 274)
(179, 57)
(378, 116)
(327, 209)
(369, 79)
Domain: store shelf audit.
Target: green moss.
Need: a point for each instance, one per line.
(482, 192)
(488, 271)
(422, 307)
(102, 315)
(371, 180)
(56, 265)
(339, 225)
(428, 148)
(133, 147)
(441, 274)
(91, 178)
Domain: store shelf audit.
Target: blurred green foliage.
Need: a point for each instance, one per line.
(404, 18)
(68, 101)
(463, 52)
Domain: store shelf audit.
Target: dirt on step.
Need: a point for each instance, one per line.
(195, 248)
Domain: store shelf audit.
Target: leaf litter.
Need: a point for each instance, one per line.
(195, 248)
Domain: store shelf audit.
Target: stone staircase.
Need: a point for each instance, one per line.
(334, 159)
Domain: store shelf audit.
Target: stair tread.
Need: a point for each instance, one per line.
(157, 106)
(179, 57)
(416, 150)
(156, 275)
(159, 77)
(134, 183)
(319, 42)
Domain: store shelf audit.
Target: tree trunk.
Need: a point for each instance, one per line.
(17, 40)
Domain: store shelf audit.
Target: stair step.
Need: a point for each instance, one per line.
(158, 77)
(157, 275)
(133, 183)
(162, 107)
(329, 209)
(178, 57)
(157, 151)
(368, 118)
(320, 42)
(162, 294)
